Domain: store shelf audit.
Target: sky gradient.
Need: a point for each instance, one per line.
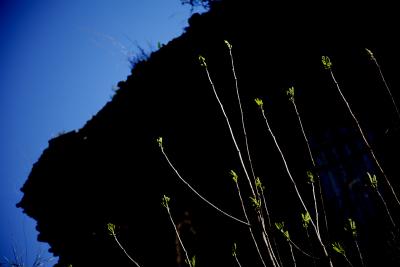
(59, 61)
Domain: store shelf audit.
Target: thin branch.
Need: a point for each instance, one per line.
(362, 134)
(159, 140)
(384, 82)
(292, 99)
(111, 229)
(165, 201)
(204, 64)
(260, 104)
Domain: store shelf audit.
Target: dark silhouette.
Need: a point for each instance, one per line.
(112, 171)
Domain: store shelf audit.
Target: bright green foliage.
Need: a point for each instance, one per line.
(256, 202)
(290, 93)
(160, 142)
(234, 176)
(234, 250)
(111, 228)
(351, 227)
(228, 44)
(373, 180)
(259, 184)
(326, 62)
(306, 219)
(192, 261)
(338, 248)
(259, 102)
(310, 176)
(371, 55)
(202, 61)
(165, 201)
(280, 226)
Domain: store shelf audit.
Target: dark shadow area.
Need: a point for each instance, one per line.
(112, 170)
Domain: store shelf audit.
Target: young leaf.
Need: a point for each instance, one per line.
(306, 219)
(373, 180)
(290, 93)
(160, 142)
(259, 184)
(256, 202)
(228, 44)
(310, 177)
(371, 55)
(202, 61)
(164, 201)
(234, 176)
(338, 248)
(259, 102)
(326, 62)
(111, 228)
(351, 227)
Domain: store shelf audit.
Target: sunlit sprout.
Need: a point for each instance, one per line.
(202, 61)
(259, 184)
(256, 202)
(351, 227)
(310, 177)
(165, 201)
(111, 228)
(306, 219)
(228, 44)
(259, 102)
(234, 250)
(373, 180)
(280, 226)
(192, 261)
(338, 248)
(234, 176)
(290, 93)
(326, 62)
(160, 142)
(371, 55)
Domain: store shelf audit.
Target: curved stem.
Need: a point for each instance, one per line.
(197, 193)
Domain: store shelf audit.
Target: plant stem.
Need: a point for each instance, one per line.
(123, 249)
(249, 225)
(241, 112)
(179, 238)
(295, 186)
(384, 82)
(314, 167)
(359, 252)
(197, 193)
(291, 252)
(261, 217)
(364, 137)
(386, 207)
(230, 129)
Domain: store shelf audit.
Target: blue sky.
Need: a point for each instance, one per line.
(59, 61)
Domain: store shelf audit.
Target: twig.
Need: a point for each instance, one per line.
(261, 106)
(160, 143)
(111, 229)
(328, 65)
(165, 202)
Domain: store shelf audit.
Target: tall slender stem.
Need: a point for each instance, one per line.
(204, 64)
(294, 183)
(314, 167)
(371, 151)
(384, 82)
